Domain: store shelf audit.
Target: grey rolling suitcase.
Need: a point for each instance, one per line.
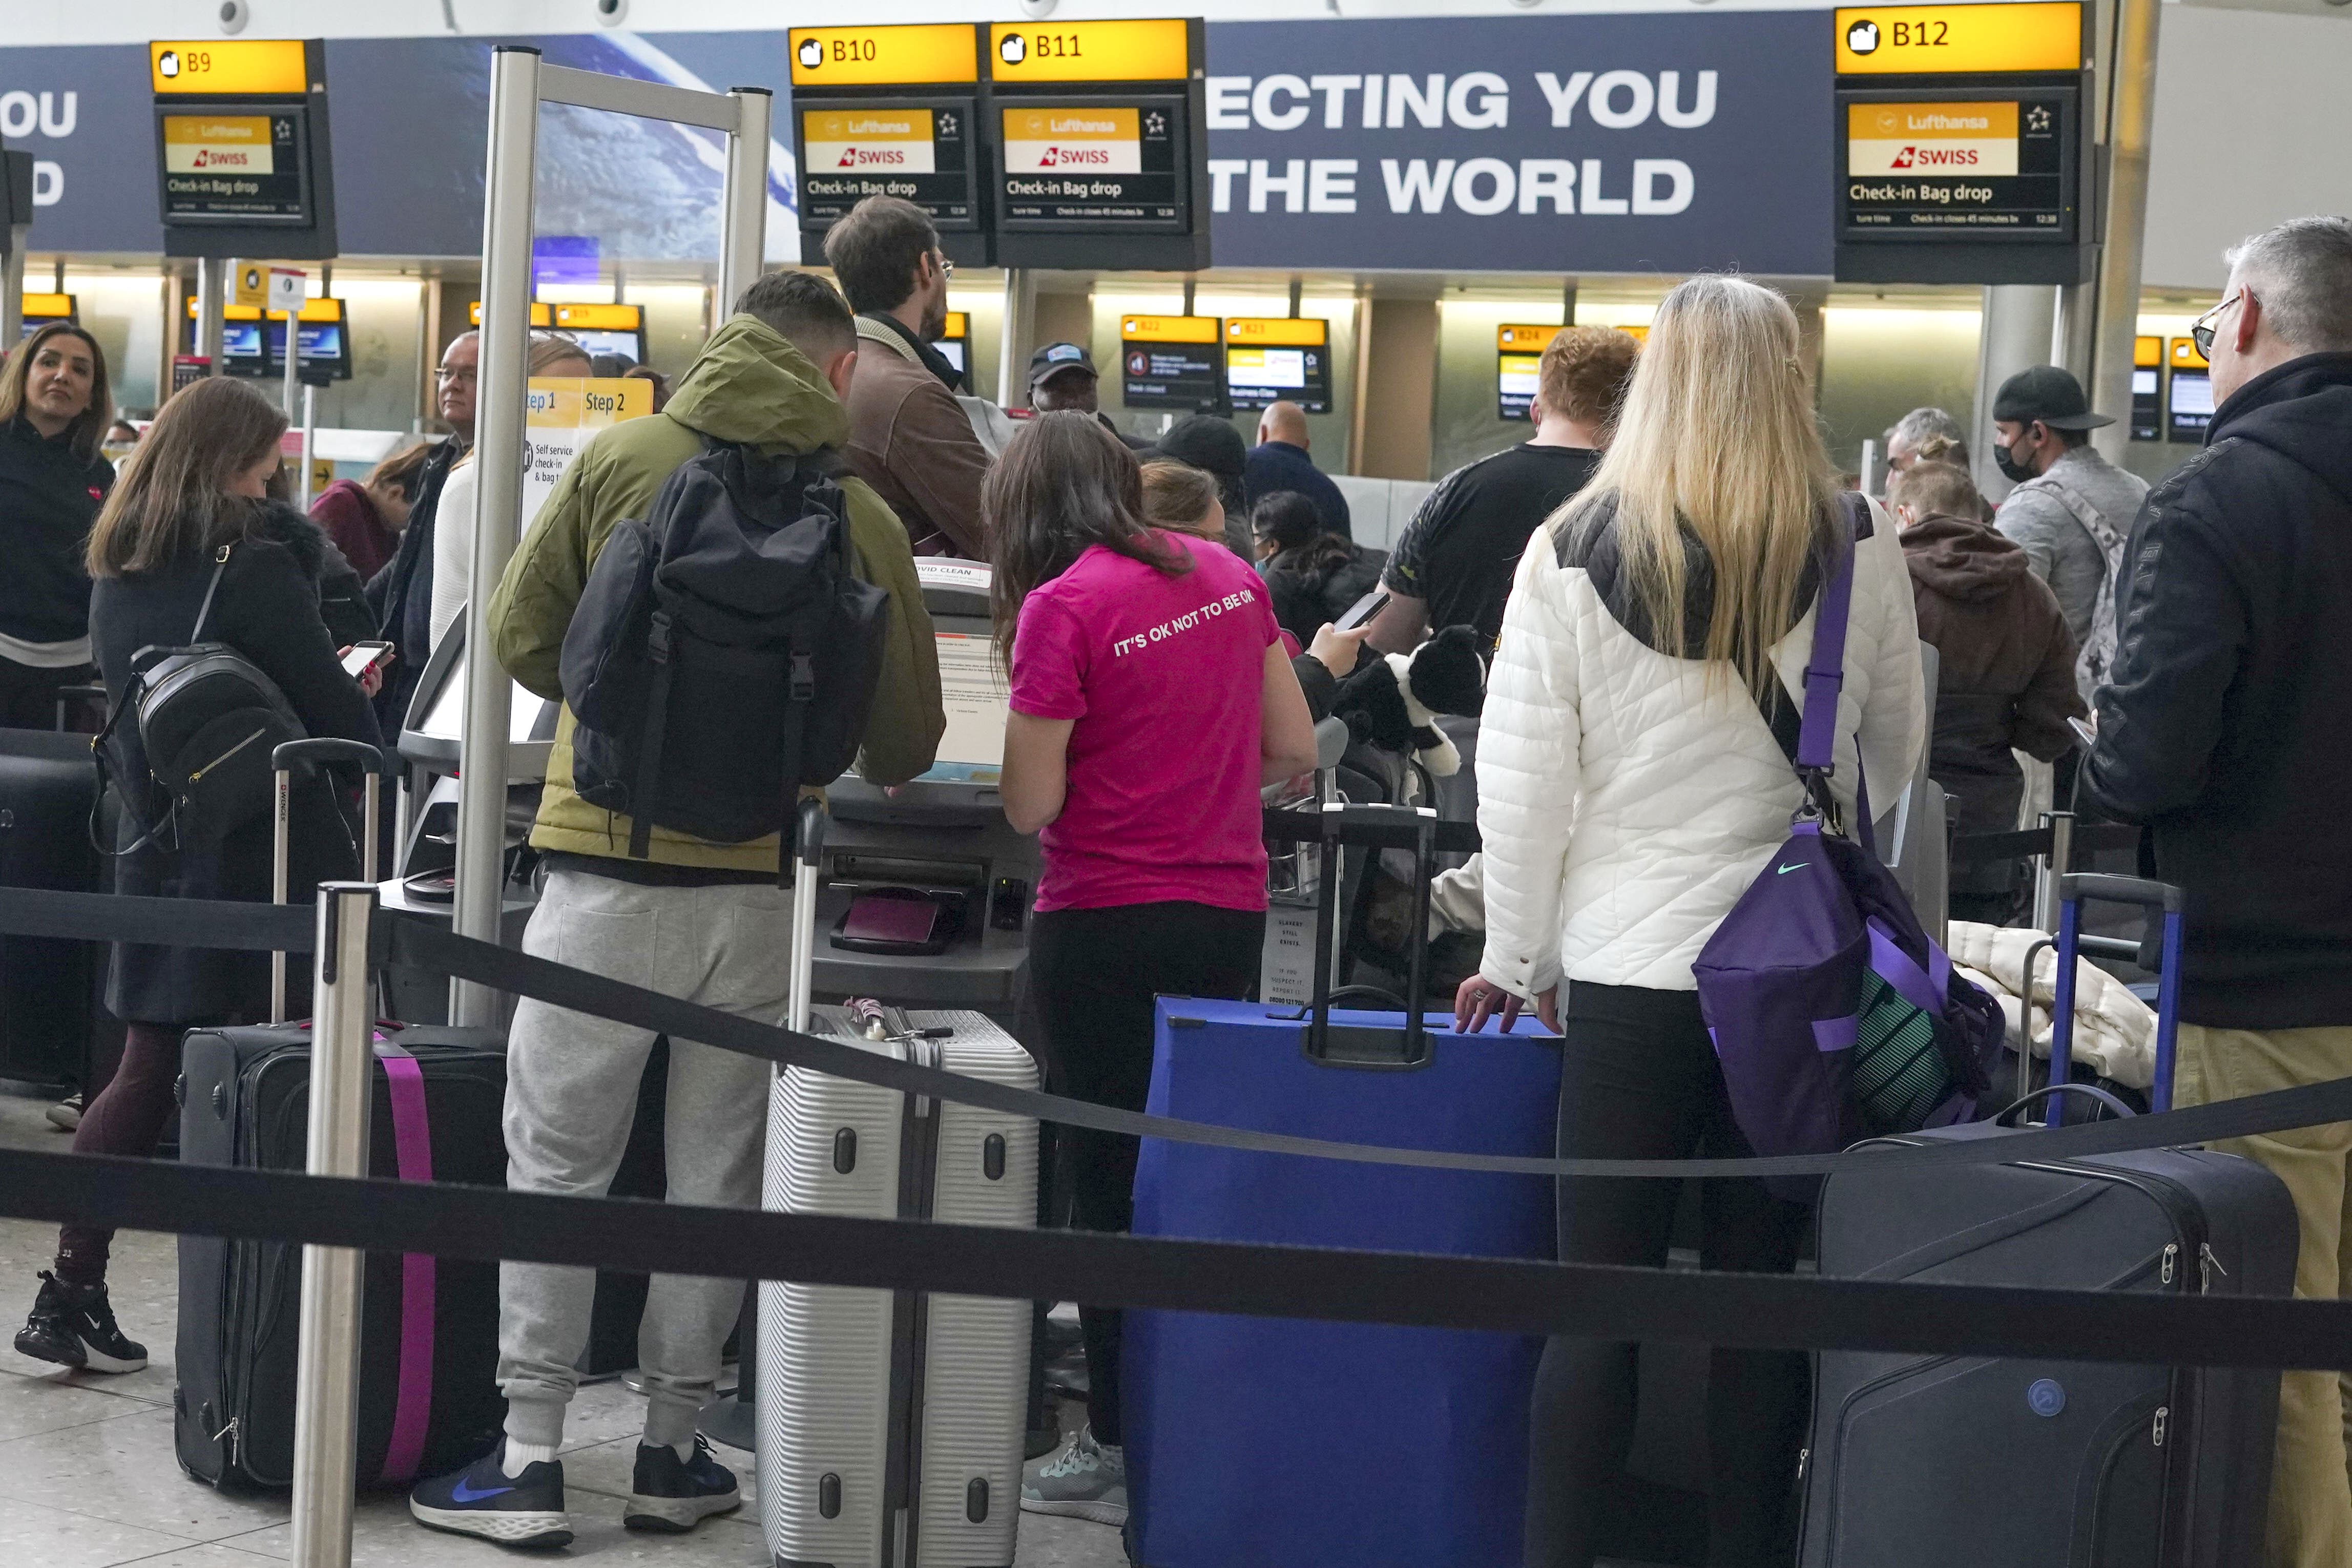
(891, 1423)
(1961, 1461)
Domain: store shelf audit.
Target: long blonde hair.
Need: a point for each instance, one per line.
(1717, 440)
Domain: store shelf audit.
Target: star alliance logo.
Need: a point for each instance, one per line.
(947, 123)
(2038, 118)
(1155, 124)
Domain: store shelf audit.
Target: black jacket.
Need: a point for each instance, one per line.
(268, 609)
(1278, 466)
(401, 594)
(2224, 727)
(48, 498)
(1305, 596)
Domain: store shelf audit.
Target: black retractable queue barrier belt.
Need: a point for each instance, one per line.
(428, 947)
(409, 940)
(1589, 1301)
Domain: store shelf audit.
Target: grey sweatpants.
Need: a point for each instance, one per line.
(571, 1095)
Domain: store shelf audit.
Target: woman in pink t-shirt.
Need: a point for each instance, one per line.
(1151, 700)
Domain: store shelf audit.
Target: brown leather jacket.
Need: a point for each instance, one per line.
(912, 442)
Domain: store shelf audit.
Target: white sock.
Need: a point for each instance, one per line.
(520, 1456)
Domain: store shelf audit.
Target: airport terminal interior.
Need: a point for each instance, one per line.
(484, 274)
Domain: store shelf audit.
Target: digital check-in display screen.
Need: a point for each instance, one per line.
(2192, 405)
(1279, 359)
(239, 166)
(919, 152)
(1972, 167)
(1097, 168)
(1171, 361)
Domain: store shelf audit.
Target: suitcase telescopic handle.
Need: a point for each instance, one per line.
(2157, 897)
(376, 763)
(374, 758)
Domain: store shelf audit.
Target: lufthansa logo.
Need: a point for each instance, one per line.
(1863, 36)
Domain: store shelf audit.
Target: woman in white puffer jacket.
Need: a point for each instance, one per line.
(1629, 789)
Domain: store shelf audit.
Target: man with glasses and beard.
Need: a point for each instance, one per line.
(908, 437)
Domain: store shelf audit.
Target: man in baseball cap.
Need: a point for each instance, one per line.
(2072, 509)
(1062, 376)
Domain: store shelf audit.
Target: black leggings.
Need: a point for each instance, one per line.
(126, 1117)
(1640, 1081)
(1093, 974)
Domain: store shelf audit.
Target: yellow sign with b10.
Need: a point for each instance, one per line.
(919, 56)
(1974, 40)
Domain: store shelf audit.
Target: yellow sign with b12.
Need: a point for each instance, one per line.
(1936, 40)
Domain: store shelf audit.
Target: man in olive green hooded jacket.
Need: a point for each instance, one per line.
(698, 920)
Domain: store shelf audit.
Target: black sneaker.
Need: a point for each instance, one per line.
(74, 1326)
(674, 1495)
(482, 1500)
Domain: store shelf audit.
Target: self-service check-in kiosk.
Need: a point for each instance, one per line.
(927, 888)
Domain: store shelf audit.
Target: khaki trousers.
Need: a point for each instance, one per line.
(2311, 1489)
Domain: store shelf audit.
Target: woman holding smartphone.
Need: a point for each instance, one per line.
(191, 534)
(1153, 699)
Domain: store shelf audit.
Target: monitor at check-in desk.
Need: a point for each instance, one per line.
(436, 726)
(927, 887)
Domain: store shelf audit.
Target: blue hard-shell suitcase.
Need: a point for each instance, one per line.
(1954, 1461)
(1399, 1448)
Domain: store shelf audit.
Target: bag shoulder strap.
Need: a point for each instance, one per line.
(204, 611)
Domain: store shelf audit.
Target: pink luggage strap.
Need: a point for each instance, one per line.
(412, 1140)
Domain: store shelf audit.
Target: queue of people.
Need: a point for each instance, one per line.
(1645, 570)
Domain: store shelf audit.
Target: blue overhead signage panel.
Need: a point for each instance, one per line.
(1644, 143)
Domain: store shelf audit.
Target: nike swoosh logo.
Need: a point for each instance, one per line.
(1786, 869)
(461, 1492)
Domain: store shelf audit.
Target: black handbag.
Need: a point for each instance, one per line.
(208, 719)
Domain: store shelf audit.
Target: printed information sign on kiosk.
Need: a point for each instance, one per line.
(891, 112)
(242, 142)
(1172, 362)
(1961, 152)
(1270, 359)
(1099, 126)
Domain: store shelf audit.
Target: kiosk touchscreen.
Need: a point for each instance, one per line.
(926, 889)
(954, 345)
(2190, 407)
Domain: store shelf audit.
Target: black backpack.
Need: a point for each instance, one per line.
(724, 654)
(207, 720)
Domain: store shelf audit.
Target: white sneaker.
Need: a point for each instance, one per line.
(1084, 1480)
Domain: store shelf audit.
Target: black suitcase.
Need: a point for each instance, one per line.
(1961, 1461)
(47, 1010)
(428, 1398)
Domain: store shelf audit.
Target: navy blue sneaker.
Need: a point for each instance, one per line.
(674, 1495)
(482, 1500)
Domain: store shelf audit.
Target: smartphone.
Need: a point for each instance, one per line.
(366, 656)
(1361, 612)
(2083, 733)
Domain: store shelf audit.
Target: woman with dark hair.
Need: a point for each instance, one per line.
(189, 548)
(365, 517)
(55, 407)
(1151, 700)
(1313, 575)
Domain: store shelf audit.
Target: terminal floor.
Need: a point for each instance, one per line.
(88, 1479)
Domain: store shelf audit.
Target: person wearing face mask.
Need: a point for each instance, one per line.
(54, 409)
(2072, 509)
(908, 437)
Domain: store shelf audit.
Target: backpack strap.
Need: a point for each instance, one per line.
(649, 751)
(204, 611)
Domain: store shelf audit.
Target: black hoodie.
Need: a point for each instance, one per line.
(2224, 727)
(48, 498)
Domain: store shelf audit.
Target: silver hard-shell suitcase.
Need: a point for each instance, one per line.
(891, 1422)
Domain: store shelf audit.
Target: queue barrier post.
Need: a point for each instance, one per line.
(326, 1384)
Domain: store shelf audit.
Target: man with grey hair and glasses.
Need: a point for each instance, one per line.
(2222, 729)
(1916, 429)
